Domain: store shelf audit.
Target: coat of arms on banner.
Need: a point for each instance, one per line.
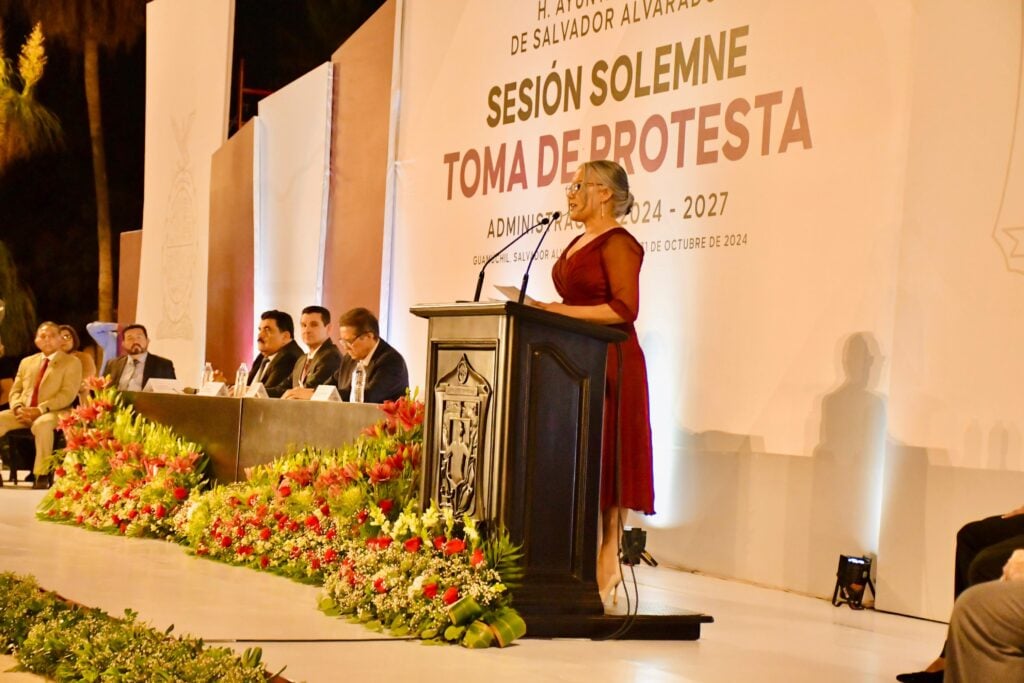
(180, 248)
(462, 397)
(1009, 230)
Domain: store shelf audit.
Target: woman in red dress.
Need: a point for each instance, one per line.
(598, 278)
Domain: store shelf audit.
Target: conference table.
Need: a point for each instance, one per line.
(237, 433)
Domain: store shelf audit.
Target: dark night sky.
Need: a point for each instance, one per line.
(47, 208)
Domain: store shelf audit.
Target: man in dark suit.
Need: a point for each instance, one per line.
(384, 370)
(321, 362)
(131, 371)
(278, 353)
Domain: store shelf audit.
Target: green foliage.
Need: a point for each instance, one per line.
(26, 126)
(506, 558)
(71, 643)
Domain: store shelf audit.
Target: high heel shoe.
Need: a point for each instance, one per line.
(611, 591)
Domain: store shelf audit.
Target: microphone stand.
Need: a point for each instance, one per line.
(526, 276)
(480, 278)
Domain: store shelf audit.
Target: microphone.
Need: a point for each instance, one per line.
(480, 278)
(526, 276)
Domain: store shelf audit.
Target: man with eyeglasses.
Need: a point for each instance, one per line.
(368, 360)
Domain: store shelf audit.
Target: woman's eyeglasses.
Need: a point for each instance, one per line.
(573, 188)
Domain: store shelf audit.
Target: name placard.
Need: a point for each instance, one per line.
(326, 392)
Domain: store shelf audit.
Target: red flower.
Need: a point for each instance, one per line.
(133, 513)
(245, 550)
(477, 558)
(87, 487)
(123, 528)
(180, 493)
(147, 508)
(58, 494)
(325, 510)
(312, 522)
(330, 555)
(439, 542)
(331, 533)
(115, 520)
(314, 564)
(161, 511)
(378, 585)
(264, 533)
(430, 591)
(225, 541)
(454, 546)
(284, 491)
(252, 499)
(451, 595)
(264, 561)
(380, 472)
(362, 515)
(79, 519)
(413, 544)
(60, 472)
(293, 526)
(385, 505)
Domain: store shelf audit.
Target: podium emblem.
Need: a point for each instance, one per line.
(463, 396)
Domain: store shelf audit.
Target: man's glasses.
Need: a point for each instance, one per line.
(347, 343)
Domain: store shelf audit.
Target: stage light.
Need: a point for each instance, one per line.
(633, 547)
(852, 577)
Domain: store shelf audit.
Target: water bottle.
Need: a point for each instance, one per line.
(207, 374)
(358, 383)
(241, 377)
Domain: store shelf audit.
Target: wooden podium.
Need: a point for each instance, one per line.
(514, 404)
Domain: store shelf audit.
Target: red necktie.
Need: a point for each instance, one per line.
(305, 369)
(39, 380)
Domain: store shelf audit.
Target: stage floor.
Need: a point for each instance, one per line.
(758, 635)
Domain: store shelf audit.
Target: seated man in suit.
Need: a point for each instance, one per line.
(278, 353)
(47, 382)
(131, 372)
(319, 365)
(386, 377)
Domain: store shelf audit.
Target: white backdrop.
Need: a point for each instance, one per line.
(188, 75)
(293, 157)
(863, 234)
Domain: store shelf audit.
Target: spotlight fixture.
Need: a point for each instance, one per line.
(852, 577)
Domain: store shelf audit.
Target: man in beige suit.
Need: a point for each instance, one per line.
(46, 383)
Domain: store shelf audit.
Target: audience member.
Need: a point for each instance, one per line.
(46, 384)
(278, 353)
(69, 344)
(323, 359)
(983, 547)
(386, 376)
(130, 372)
(985, 643)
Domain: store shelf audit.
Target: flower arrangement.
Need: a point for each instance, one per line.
(430, 576)
(120, 472)
(344, 518)
(61, 640)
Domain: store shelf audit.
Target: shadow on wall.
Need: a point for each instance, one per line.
(846, 483)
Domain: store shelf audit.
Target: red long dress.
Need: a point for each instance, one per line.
(607, 271)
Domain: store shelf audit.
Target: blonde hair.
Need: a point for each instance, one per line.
(612, 176)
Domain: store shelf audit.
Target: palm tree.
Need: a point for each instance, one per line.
(26, 126)
(87, 26)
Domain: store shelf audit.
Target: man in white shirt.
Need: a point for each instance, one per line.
(131, 371)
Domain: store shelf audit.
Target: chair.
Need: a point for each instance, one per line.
(19, 450)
